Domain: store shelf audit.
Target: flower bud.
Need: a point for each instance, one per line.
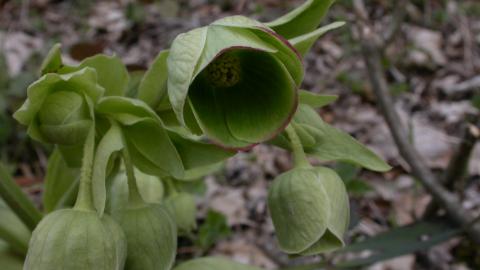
(183, 209)
(240, 80)
(59, 107)
(151, 237)
(64, 118)
(76, 240)
(310, 210)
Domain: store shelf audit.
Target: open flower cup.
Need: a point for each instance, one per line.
(237, 77)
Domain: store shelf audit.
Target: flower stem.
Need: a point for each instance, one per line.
(85, 197)
(134, 197)
(299, 157)
(172, 190)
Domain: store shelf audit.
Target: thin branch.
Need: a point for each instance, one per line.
(457, 168)
(371, 48)
(399, 13)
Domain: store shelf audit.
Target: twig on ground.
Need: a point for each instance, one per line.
(464, 87)
(457, 167)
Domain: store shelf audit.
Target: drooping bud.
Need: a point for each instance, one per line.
(59, 107)
(64, 118)
(183, 209)
(310, 210)
(76, 240)
(151, 237)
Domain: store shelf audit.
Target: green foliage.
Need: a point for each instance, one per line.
(328, 143)
(349, 174)
(153, 87)
(214, 228)
(9, 260)
(400, 241)
(304, 42)
(13, 231)
(17, 200)
(301, 20)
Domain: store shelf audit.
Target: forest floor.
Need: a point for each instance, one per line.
(433, 68)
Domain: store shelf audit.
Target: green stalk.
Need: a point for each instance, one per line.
(299, 157)
(85, 197)
(17, 200)
(172, 190)
(134, 197)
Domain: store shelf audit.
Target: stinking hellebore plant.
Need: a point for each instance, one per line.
(125, 157)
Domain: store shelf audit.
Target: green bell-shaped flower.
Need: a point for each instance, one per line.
(76, 240)
(310, 210)
(236, 78)
(183, 209)
(59, 108)
(151, 236)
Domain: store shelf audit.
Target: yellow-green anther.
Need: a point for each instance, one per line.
(225, 71)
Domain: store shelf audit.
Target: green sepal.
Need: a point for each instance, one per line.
(153, 87)
(53, 61)
(150, 187)
(151, 237)
(299, 207)
(284, 50)
(183, 209)
(304, 42)
(112, 73)
(191, 52)
(82, 83)
(184, 55)
(310, 210)
(60, 181)
(70, 154)
(60, 242)
(330, 144)
(209, 263)
(302, 20)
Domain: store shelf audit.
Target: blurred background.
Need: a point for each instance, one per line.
(432, 65)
